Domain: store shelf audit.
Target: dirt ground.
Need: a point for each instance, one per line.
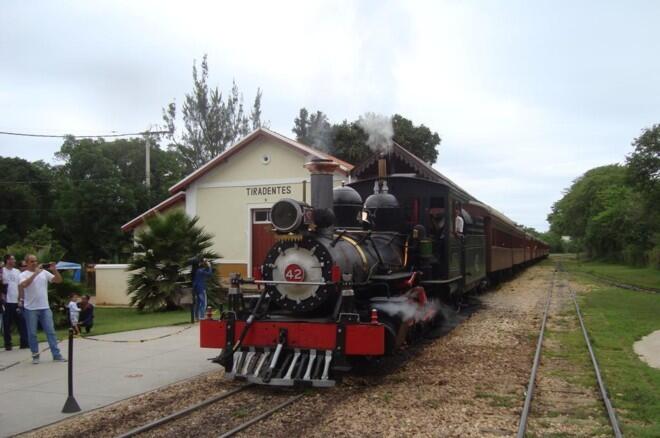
(470, 382)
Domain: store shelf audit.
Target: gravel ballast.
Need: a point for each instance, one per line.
(470, 382)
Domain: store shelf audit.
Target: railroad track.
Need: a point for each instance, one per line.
(181, 414)
(532, 380)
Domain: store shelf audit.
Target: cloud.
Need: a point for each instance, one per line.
(526, 96)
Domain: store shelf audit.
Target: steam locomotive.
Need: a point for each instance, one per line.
(361, 271)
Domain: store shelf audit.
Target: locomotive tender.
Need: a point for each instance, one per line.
(360, 271)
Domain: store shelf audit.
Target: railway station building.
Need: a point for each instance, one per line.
(232, 195)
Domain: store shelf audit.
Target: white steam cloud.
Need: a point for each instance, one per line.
(380, 131)
(410, 310)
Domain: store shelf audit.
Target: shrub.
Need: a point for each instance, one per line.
(162, 260)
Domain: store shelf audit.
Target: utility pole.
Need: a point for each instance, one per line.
(147, 156)
(147, 162)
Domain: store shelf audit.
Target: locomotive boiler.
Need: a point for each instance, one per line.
(356, 274)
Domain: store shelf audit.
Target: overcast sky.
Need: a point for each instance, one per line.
(526, 95)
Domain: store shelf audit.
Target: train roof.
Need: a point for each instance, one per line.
(411, 166)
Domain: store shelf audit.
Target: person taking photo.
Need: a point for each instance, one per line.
(34, 292)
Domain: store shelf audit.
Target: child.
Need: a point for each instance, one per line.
(74, 311)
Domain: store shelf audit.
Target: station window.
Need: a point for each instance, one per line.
(261, 216)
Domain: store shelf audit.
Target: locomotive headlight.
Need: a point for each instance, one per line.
(287, 215)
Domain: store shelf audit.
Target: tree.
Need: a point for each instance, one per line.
(644, 162)
(348, 140)
(26, 191)
(162, 254)
(417, 139)
(313, 130)
(101, 186)
(601, 212)
(211, 123)
(644, 175)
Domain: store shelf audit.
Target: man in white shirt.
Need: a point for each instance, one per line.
(34, 287)
(458, 222)
(13, 314)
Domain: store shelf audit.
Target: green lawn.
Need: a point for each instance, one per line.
(644, 277)
(616, 319)
(115, 319)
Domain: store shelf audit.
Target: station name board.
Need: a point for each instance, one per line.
(268, 190)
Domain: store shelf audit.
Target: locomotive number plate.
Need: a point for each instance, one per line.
(294, 272)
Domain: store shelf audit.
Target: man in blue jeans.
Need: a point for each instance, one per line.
(200, 275)
(34, 298)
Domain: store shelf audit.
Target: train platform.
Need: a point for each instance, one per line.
(107, 369)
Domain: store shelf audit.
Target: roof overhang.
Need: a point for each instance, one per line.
(170, 202)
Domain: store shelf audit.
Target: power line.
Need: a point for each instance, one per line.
(25, 134)
(52, 182)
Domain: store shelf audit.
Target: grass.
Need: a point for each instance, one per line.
(118, 319)
(643, 277)
(616, 319)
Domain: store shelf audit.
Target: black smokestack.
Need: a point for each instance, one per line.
(322, 172)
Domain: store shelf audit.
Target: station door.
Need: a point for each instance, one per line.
(263, 237)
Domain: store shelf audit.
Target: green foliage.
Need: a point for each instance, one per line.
(612, 211)
(313, 130)
(211, 122)
(162, 258)
(39, 242)
(109, 178)
(644, 162)
(348, 140)
(605, 215)
(417, 139)
(26, 191)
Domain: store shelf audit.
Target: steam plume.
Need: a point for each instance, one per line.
(380, 131)
(408, 310)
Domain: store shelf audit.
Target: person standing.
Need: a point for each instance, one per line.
(199, 287)
(74, 312)
(459, 223)
(13, 314)
(34, 285)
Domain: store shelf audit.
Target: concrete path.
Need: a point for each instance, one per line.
(32, 396)
(648, 349)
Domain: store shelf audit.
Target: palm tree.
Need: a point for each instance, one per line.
(162, 258)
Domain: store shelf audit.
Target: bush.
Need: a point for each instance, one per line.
(653, 256)
(633, 255)
(161, 265)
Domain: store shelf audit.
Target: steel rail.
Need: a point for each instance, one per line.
(537, 357)
(614, 422)
(258, 418)
(182, 412)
